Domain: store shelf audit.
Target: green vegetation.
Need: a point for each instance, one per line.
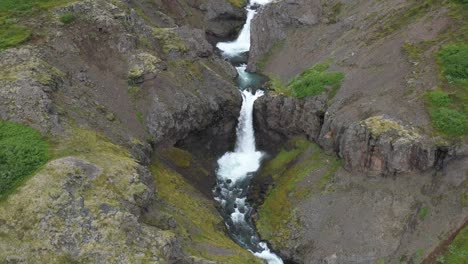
(196, 219)
(423, 213)
(238, 3)
(457, 252)
(413, 51)
(67, 18)
(179, 157)
(453, 60)
(438, 98)
(449, 110)
(311, 82)
(449, 122)
(169, 39)
(315, 80)
(13, 14)
(418, 256)
(22, 152)
(288, 169)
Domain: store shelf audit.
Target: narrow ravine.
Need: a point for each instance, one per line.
(236, 168)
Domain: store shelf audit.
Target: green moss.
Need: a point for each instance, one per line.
(67, 18)
(13, 35)
(135, 75)
(458, 250)
(418, 256)
(238, 3)
(13, 13)
(179, 157)
(378, 126)
(315, 81)
(449, 122)
(413, 51)
(423, 213)
(197, 219)
(438, 98)
(46, 197)
(449, 111)
(454, 64)
(169, 40)
(278, 86)
(189, 69)
(22, 152)
(288, 169)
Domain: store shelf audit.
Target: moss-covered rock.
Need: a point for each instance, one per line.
(83, 209)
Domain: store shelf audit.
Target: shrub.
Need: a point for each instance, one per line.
(315, 80)
(22, 152)
(438, 99)
(454, 63)
(449, 121)
(67, 18)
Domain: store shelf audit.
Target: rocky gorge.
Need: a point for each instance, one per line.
(137, 104)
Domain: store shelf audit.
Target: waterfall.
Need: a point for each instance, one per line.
(236, 168)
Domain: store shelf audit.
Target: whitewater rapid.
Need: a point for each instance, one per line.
(236, 168)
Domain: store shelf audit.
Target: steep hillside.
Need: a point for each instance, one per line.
(368, 81)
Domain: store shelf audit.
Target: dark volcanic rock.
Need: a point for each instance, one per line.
(278, 117)
(221, 18)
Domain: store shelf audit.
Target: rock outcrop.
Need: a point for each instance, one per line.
(270, 25)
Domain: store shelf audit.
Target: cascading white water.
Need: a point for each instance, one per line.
(245, 159)
(235, 169)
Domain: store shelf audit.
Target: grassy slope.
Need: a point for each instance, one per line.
(14, 14)
(288, 169)
(22, 152)
(311, 82)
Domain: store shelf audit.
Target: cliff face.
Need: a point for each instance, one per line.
(377, 208)
(382, 83)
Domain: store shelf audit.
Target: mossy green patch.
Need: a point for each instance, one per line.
(454, 64)
(12, 15)
(311, 82)
(457, 252)
(169, 40)
(178, 157)
(288, 169)
(238, 3)
(22, 152)
(423, 213)
(69, 192)
(315, 81)
(449, 122)
(378, 126)
(67, 18)
(197, 218)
